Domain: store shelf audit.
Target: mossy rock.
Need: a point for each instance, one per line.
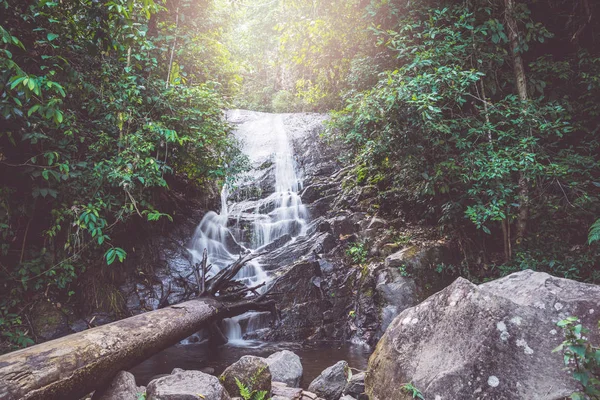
(253, 372)
(48, 321)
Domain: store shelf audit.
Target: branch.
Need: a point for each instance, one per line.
(215, 284)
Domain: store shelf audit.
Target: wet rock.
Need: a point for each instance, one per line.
(491, 341)
(186, 385)
(122, 387)
(281, 391)
(285, 367)
(253, 372)
(395, 294)
(341, 225)
(355, 388)
(330, 384)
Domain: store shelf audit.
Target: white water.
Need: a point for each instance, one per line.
(264, 138)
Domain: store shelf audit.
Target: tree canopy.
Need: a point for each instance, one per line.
(480, 117)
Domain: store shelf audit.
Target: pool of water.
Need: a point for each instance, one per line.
(195, 356)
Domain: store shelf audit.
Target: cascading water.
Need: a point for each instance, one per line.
(279, 214)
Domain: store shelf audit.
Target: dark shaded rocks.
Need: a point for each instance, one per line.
(48, 321)
(492, 341)
(395, 294)
(355, 388)
(186, 385)
(285, 367)
(332, 381)
(253, 372)
(122, 387)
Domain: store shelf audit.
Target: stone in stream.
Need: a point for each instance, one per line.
(492, 341)
(355, 388)
(332, 381)
(186, 385)
(281, 391)
(122, 387)
(253, 372)
(285, 367)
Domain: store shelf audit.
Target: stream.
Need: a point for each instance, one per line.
(261, 211)
(196, 356)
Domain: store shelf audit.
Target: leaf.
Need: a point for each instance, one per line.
(110, 256)
(33, 109)
(17, 81)
(51, 36)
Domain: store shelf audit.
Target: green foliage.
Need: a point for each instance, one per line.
(443, 134)
(410, 389)
(249, 394)
(594, 234)
(581, 358)
(12, 330)
(358, 252)
(94, 134)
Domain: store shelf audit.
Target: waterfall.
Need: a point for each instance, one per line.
(281, 213)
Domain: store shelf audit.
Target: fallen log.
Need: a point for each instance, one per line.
(75, 365)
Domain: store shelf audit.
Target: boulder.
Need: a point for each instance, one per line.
(253, 372)
(285, 367)
(355, 388)
(122, 387)
(341, 225)
(332, 381)
(186, 385)
(49, 321)
(492, 341)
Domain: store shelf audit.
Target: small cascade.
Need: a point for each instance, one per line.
(281, 213)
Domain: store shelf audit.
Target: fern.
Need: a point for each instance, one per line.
(244, 391)
(260, 395)
(248, 394)
(594, 234)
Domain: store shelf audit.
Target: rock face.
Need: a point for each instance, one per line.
(252, 371)
(332, 381)
(186, 385)
(285, 367)
(395, 293)
(492, 341)
(122, 387)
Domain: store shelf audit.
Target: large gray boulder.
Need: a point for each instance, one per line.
(122, 387)
(253, 372)
(285, 367)
(186, 385)
(332, 381)
(492, 341)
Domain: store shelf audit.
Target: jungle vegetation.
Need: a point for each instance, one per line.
(479, 117)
